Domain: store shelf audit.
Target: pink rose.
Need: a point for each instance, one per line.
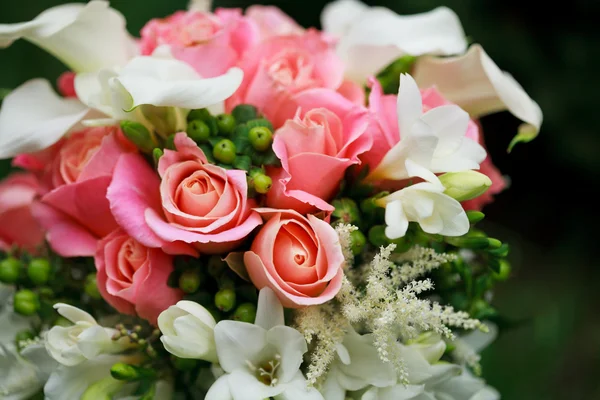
(283, 66)
(133, 278)
(196, 203)
(384, 120)
(299, 257)
(17, 225)
(315, 149)
(211, 43)
(271, 21)
(76, 212)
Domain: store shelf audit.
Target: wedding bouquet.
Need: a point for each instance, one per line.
(232, 206)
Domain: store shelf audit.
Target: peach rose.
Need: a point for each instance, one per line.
(133, 278)
(299, 257)
(271, 21)
(196, 203)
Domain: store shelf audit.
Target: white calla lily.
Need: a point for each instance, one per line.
(426, 204)
(86, 37)
(200, 5)
(187, 330)
(373, 37)
(262, 360)
(478, 85)
(84, 340)
(34, 117)
(436, 139)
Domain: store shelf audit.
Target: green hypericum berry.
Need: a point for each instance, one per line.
(377, 236)
(245, 312)
(262, 183)
(26, 302)
(10, 269)
(39, 271)
(198, 131)
(215, 266)
(225, 299)
(91, 287)
(224, 151)
(359, 241)
(189, 281)
(226, 124)
(202, 114)
(260, 137)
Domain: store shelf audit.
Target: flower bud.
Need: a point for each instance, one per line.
(502, 272)
(189, 281)
(225, 124)
(129, 373)
(156, 155)
(103, 389)
(224, 151)
(139, 135)
(10, 268)
(465, 185)
(26, 302)
(476, 243)
(260, 138)
(245, 312)
(39, 271)
(475, 216)
(225, 299)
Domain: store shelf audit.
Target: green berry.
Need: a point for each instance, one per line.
(215, 266)
(262, 183)
(225, 124)
(198, 131)
(260, 137)
(189, 281)
(224, 151)
(225, 299)
(26, 302)
(359, 241)
(201, 114)
(39, 271)
(10, 269)
(245, 312)
(91, 287)
(503, 271)
(377, 236)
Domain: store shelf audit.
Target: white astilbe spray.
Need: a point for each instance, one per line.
(380, 297)
(344, 231)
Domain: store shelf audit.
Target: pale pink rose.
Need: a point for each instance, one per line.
(326, 136)
(17, 226)
(283, 66)
(196, 203)
(299, 257)
(271, 21)
(133, 278)
(353, 92)
(76, 212)
(384, 121)
(211, 43)
(66, 84)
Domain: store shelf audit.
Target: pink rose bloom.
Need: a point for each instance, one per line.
(17, 226)
(133, 278)
(315, 149)
(299, 257)
(76, 212)
(211, 43)
(196, 203)
(283, 66)
(271, 21)
(384, 120)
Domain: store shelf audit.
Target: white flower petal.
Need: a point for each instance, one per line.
(94, 341)
(442, 372)
(476, 84)
(415, 170)
(331, 389)
(379, 36)
(395, 219)
(299, 390)
(19, 379)
(201, 313)
(238, 343)
(37, 355)
(85, 37)
(291, 346)
(220, 390)
(34, 117)
(450, 124)
(478, 340)
(61, 347)
(409, 105)
(74, 314)
(200, 5)
(337, 17)
(244, 385)
(269, 312)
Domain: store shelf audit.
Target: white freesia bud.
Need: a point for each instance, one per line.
(84, 340)
(465, 185)
(188, 331)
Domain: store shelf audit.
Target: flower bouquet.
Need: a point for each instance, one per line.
(232, 206)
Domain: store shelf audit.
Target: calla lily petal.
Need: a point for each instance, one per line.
(34, 117)
(475, 83)
(85, 37)
(337, 17)
(200, 5)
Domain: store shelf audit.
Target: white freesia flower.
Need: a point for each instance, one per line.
(34, 117)
(86, 37)
(84, 340)
(435, 139)
(262, 360)
(373, 37)
(187, 330)
(158, 80)
(426, 204)
(475, 83)
(357, 365)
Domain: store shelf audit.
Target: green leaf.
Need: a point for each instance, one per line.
(241, 140)
(244, 113)
(270, 158)
(214, 140)
(526, 134)
(213, 125)
(207, 150)
(243, 162)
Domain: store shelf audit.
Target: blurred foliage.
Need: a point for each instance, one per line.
(548, 213)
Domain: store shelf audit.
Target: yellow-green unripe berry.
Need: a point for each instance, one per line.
(262, 183)
(10, 269)
(245, 312)
(26, 302)
(189, 281)
(260, 138)
(225, 299)
(198, 131)
(39, 270)
(358, 241)
(224, 151)
(225, 124)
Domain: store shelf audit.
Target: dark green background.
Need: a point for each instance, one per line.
(549, 215)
